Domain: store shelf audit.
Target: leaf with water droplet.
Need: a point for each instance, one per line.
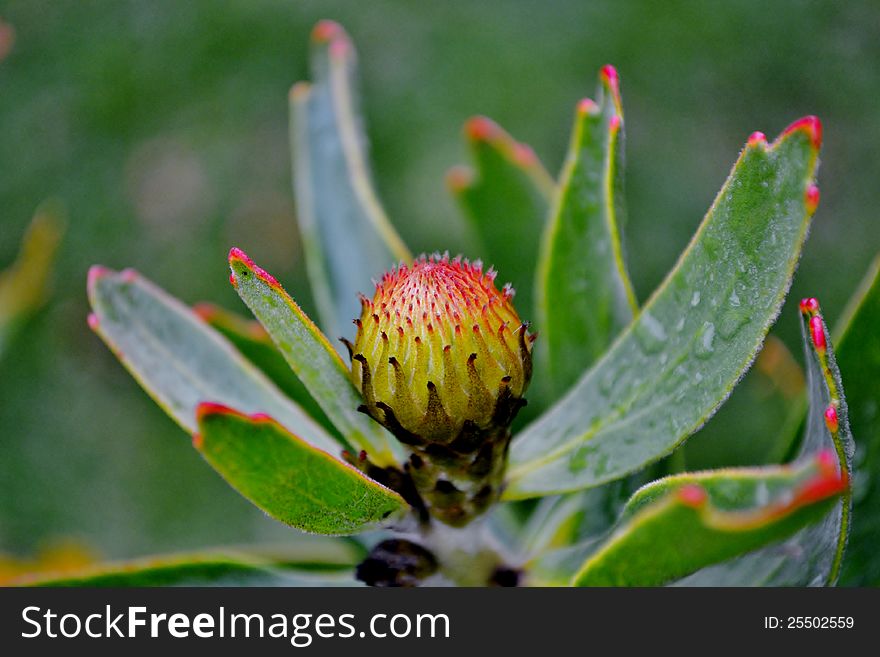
(813, 556)
(650, 351)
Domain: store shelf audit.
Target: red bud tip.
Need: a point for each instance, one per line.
(459, 178)
(262, 417)
(614, 123)
(524, 155)
(479, 128)
(831, 418)
(692, 495)
(213, 408)
(609, 76)
(93, 321)
(809, 305)
(756, 138)
(96, 272)
(587, 106)
(232, 280)
(204, 311)
(128, 275)
(817, 332)
(198, 440)
(809, 124)
(237, 254)
(811, 198)
(326, 30)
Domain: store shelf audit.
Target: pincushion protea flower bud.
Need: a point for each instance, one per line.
(442, 360)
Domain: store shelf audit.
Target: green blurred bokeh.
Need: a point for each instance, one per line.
(163, 127)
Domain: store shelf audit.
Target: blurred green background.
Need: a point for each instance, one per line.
(163, 128)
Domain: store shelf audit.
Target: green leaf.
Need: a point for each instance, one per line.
(310, 355)
(694, 338)
(322, 561)
(347, 237)
(768, 402)
(292, 481)
(24, 285)
(858, 355)
(680, 524)
(813, 556)
(255, 344)
(585, 298)
(505, 201)
(179, 360)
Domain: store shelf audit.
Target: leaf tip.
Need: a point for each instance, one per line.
(236, 254)
(240, 258)
(693, 495)
(96, 272)
(204, 409)
(609, 78)
(327, 30)
(481, 128)
(587, 106)
(811, 198)
(811, 125)
(756, 139)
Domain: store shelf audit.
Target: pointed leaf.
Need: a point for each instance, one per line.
(255, 344)
(506, 201)
(585, 298)
(179, 360)
(290, 480)
(24, 285)
(310, 355)
(320, 563)
(682, 523)
(696, 336)
(813, 556)
(858, 355)
(348, 239)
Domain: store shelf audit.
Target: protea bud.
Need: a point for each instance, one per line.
(443, 360)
